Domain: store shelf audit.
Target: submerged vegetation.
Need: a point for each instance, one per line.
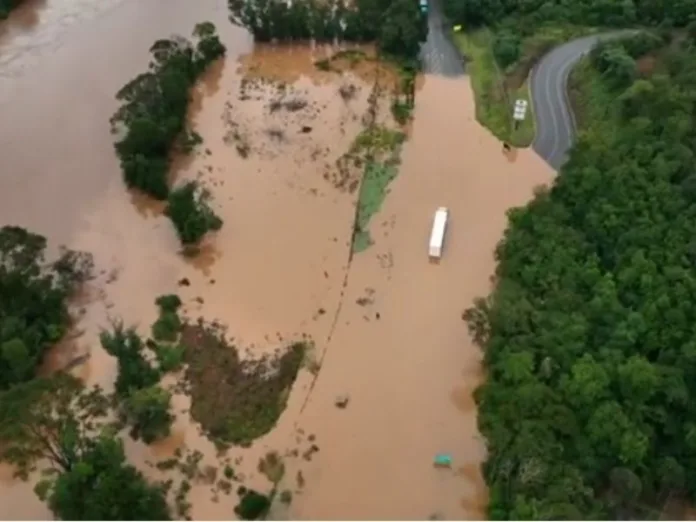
(378, 147)
(588, 337)
(152, 121)
(236, 400)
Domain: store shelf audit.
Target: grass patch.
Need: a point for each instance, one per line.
(496, 89)
(372, 193)
(380, 147)
(494, 102)
(375, 140)
(236, 401)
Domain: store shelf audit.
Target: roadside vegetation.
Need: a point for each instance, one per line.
(499, 60)
(588, 339)
(502, 40)
(151, 124)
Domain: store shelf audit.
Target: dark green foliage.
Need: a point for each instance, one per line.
(252, 505)
(168, 303)
(143, 404)
(134, 372)
(33, 294)
(147, 411)
(191, 214)
(506, 48)
(396, 25)
(45, 419)
(101, 485)
(169, 357)
(590, 346)
(166, 327)
(608, 13)
(153, 113)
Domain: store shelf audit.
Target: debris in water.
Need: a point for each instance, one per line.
(342, 401)
(443, 460)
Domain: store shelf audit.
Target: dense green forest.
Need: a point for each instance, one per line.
(589, 340)
(56, 419)
(152, 121)
(527, 14)
(397, 26)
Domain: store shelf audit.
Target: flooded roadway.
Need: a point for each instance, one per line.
(280, 257)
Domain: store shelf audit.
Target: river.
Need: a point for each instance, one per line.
(404, 358)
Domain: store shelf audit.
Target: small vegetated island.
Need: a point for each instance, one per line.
(503, 39)
(152, 127)
(588, 338)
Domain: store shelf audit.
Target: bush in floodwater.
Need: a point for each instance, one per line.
(252, 506)
(189, 211)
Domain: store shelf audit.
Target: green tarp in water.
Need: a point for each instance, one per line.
(442, 459)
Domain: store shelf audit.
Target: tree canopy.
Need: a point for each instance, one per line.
(589, 340)
(397, 26)
(152, 119)
(33, 300)
(101, 485)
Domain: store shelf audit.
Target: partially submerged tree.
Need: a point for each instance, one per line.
(148, 412)
(154, 107)
(190, 211)
(48, 419)
(101, 485)
(33, 300)
(143, 404)
(134, 371)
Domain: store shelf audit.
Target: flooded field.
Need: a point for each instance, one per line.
(391, 348)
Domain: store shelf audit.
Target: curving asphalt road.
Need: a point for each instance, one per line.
(555, 122)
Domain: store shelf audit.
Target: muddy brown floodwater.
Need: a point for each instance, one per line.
(398, 348)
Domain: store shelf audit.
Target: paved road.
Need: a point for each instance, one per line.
(555, 122)
(438, 52)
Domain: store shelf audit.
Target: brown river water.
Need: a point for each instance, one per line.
(402, 355)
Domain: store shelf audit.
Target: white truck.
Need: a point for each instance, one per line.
(437, 235)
